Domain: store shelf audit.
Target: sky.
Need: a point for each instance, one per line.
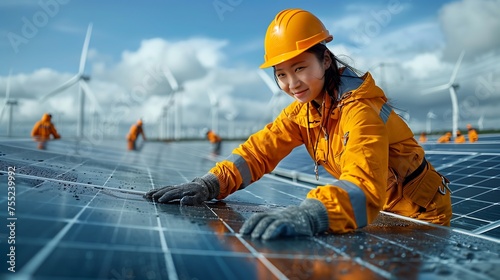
(214, 49)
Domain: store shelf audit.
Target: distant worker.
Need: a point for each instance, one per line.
(445, 138)
(43, 129)
(133, 134)
(423, 137)
(473, 137)
(460, 138)
(216, 142)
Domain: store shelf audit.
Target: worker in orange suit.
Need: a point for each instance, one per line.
(473, 137)
(133, 134)
(347, 126)
(43, 130)
(423, 137)
(446, 138)
(215, 140)
(460, 138)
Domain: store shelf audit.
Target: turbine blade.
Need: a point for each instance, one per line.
(431, 115)
(83, 57)
(90, 94)
(269, 82)
(457, 66)
(170, 78)
(62, 87)
(436, 89)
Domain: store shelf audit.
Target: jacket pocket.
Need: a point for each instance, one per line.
(422, 189)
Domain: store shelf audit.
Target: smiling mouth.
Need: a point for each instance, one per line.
(299, 92)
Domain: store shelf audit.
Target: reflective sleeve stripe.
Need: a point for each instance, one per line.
(242, 167)
(358, 201)
(348, 81)
(385, 112)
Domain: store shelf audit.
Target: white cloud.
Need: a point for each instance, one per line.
(135, 87)
(472, 25)
(423, 65)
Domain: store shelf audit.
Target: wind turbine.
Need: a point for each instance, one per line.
(214, 109)
(230, 116)
(274, 89)
(452, 87)
(480, 122)
(83, 88)
(430, 115)
(8, 102)
(171, 101)
(383, 66)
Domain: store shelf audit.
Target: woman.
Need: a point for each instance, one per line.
(43, 129)
(346, 125)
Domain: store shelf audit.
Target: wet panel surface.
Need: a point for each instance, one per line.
(81, 205)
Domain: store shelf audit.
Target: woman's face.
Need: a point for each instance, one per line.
(303, 77)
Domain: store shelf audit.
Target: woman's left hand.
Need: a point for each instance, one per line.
(307, 219)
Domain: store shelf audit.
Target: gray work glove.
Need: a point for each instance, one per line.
(309, 218)
(191, 193)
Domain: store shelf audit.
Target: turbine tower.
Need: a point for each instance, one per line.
(83, 88)
(430, 115)
(277, 92)
(383, 65)
(171, 101)
(8, 102)
(214, 109)
(230, 116)
(452, 87)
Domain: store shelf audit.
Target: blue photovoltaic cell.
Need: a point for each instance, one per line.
(80, 215)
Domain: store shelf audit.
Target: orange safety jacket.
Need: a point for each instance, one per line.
(460, 139)
(472, 135)
(445, 138)
(363, 143)
(212, 137)
(134, 132)
(44, 128)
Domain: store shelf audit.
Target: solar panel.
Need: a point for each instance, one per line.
(79, 215)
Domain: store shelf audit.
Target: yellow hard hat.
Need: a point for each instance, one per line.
(292, 32)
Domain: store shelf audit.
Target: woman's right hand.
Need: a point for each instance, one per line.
(191, 193)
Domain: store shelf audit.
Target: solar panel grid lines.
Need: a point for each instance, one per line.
(106, 230)
(276, 272)
(36, 261)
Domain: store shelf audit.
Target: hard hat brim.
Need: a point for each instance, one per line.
(289, 55)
